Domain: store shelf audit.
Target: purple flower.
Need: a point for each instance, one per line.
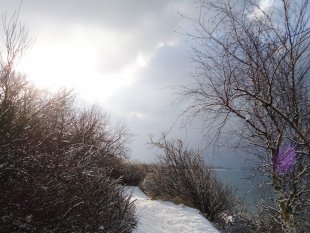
(284, 159)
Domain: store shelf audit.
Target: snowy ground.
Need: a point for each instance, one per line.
(165, 217)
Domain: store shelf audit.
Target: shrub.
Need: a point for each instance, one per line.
(55, 169)
(130, 173)
(238, 224)
(183, 174)
(55, 158)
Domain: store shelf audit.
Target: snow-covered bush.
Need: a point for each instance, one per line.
(56, 165)
(182, 173)
(239, 224)
(55, 158)
(130, 173)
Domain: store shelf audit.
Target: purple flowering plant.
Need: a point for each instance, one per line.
(284, 159)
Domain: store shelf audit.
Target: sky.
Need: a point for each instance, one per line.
(124, 56)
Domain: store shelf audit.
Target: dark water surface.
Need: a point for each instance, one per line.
(243, 183)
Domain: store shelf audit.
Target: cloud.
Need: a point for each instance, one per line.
(124, 55)
(263, 6)
(104, 42)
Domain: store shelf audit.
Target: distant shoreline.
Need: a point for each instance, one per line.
(226, 169)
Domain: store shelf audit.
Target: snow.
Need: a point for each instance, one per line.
(156, 216)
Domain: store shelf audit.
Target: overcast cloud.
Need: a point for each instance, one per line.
(122, 55)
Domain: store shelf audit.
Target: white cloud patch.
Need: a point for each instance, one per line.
(141, 60)
(263, 6)
(138, 115)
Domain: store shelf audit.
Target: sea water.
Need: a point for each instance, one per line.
(242, 182)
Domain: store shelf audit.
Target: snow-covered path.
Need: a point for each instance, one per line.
(166, 217)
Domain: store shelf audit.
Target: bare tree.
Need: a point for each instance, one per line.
(253, 68)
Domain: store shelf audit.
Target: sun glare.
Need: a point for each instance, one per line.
(79, 61)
